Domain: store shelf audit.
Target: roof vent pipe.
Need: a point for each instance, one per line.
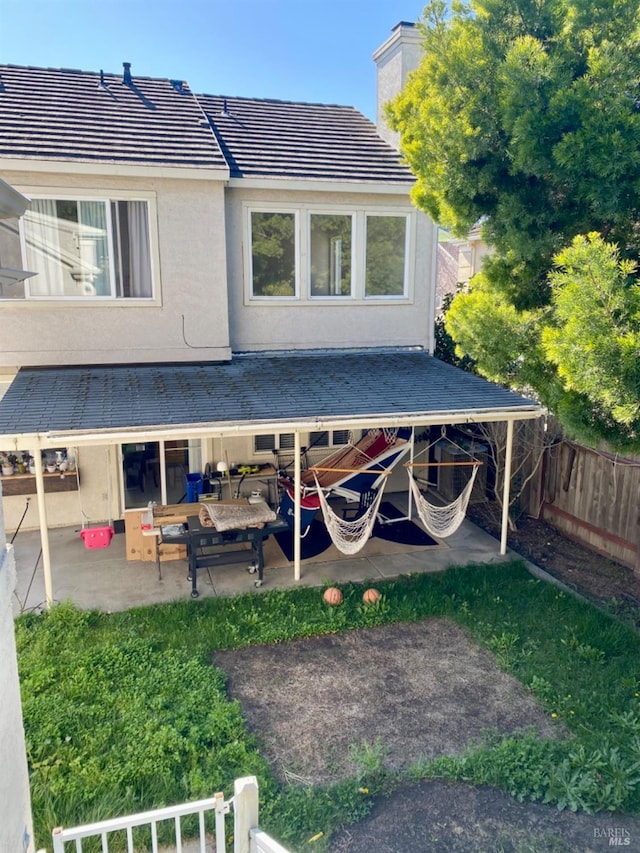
(126, 76)
(102, 80)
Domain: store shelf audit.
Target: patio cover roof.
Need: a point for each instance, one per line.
(252, 393)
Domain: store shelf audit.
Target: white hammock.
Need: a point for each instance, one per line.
(349, 537)
(443, 521)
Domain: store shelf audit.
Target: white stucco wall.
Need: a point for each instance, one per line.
(191, 282)
(97, 500)
(16, 828)
(304, 324)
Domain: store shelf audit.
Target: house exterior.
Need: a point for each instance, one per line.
(127, 159)
(214, 278)
(201, 185)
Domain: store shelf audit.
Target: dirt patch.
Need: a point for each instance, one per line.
(419, 689)
(440, 816)
(598, 578)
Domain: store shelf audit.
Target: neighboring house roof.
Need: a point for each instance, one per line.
(68, 115)
(268, 138)
(257, 391)
(50, 114)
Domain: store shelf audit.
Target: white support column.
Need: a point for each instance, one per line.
(297, 541)
(410, 471)
(245, 812)
(163, 472)
(508, 451)
(44, 529)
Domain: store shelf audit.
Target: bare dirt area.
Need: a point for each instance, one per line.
(415, 689)
(419, 689)
(439, 816)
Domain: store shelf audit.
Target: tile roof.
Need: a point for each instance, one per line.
(296, 140)
(63, 114)
(264, 390)
(79, 116)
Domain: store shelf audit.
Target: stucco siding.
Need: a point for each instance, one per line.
(303, 323)
(187, 321)
(395, 59)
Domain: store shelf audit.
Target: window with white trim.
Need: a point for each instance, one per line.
(306, 253)
(87, 248)
(330, 239)
(268, 443)
(386, 255)
(329, 438)
(273, 254)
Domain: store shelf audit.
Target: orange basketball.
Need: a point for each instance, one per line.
(370, 596)
(333, 596)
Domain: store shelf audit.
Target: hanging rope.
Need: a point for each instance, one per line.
(442, 521)
(349, 537)
(390, 433)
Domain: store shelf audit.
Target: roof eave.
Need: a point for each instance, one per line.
(58, 438)
(81, 167)
(323, 184)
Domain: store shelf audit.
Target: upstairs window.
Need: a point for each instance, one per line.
(386, 255)
(273, 254)
(306, 253)
(87, 248)
(330, 255)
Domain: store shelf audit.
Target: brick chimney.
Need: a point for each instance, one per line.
(399, 55)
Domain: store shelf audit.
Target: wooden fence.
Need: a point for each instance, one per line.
(593, 497)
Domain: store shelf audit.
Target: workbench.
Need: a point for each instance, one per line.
(240, 481)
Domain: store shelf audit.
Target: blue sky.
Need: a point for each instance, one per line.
(306, 50)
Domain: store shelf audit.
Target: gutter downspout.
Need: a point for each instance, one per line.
(508, 452)
(44, 530)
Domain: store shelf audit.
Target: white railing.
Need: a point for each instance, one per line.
(260, 842)
(247, 837)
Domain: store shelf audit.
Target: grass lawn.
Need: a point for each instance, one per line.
(125, 712)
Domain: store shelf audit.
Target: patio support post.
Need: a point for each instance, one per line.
(297, 542)
(508, 451)
(410, 471)
(163, 472)
(44, 530)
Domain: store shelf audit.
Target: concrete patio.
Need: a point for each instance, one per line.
(104, 579)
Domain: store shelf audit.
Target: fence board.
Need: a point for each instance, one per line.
(593, 497)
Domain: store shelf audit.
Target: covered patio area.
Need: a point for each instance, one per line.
(215, 404)
(104, 579)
